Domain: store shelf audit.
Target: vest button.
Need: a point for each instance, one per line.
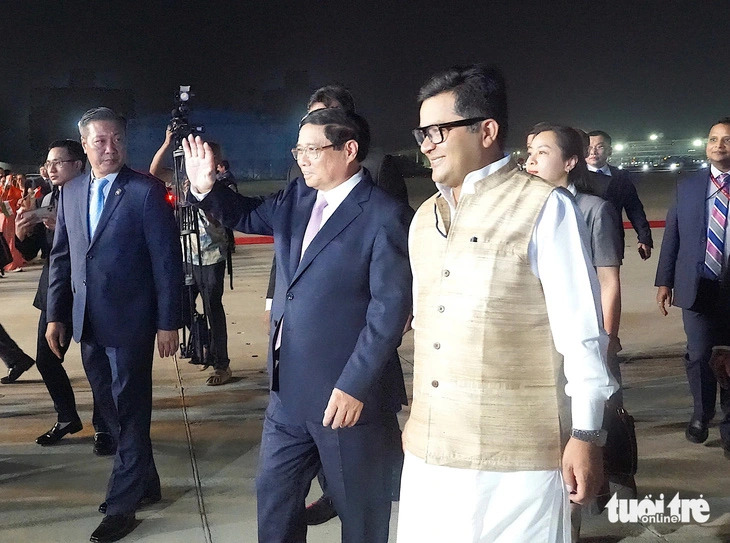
(447, 273)
(289, 296)
(441, 309)
(435, 384)
(437, 345)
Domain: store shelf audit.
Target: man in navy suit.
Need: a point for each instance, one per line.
(342, 297)
(693, 274)
(116, 273)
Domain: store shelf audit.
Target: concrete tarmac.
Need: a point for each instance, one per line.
(206, 439)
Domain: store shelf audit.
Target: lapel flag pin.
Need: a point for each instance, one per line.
(118, 192)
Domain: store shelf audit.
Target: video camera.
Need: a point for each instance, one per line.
(179, 124)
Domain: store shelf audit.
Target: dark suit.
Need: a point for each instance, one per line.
(619, 189)
(341, 311)
(124, 284)
(705, 303)
(49, 365)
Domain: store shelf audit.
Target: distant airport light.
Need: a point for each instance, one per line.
(621, 167)
(697, 143)
(673, 166)
(653, 137)
(619, 147)
(645, 167)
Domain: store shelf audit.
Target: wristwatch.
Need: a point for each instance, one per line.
(597, 437)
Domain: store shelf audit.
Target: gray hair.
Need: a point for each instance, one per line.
(101, 114)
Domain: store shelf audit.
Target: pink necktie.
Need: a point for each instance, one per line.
(315, 222)
(714, 255)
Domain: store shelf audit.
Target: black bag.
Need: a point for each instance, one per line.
(6, 257)
(620, 454)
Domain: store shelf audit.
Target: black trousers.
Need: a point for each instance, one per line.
(707, 324)
(121, 383)
(10, 353)
(209, 284)
(53, 373)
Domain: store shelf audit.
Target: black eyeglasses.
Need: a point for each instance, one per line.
(437, 132)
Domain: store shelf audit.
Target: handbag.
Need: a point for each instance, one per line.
(620, 455)
(6, 257)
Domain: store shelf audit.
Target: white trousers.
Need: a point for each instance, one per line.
(440, 504)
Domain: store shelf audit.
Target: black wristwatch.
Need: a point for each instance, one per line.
(597, 437)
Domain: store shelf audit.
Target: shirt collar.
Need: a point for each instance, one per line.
(110, 177)
(605, 170)
(471, 180)
(714, 171)
(336, 195)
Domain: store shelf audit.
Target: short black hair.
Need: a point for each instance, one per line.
(479, 89)
(341, 126)
(601, 133)
(225, 164)
(101, 114)
(74, 148)
(329, 95)
(724, 120)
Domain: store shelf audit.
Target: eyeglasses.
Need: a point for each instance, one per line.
(437, 132)
(310, 151)
(57, 163)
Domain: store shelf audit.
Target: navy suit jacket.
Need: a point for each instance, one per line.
(682, 258)
(127, 280)
(344, 305)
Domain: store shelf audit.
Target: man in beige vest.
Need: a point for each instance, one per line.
(503, 286)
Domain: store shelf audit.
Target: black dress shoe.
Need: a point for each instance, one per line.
(696, 431)
(144, 501)
(15, 372)
(113, 528)
(320, 511)
(55, 434)
(104, 444)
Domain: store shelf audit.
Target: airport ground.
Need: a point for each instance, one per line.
(206, 439)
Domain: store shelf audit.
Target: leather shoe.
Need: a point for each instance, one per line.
(113, 528)
(104, 444)
(15, 372)
(144, 501)
(320, 511)
(55, 434)
(697, 431)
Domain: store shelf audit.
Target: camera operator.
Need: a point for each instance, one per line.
(209, 266)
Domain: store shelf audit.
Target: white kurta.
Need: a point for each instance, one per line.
(440, 503)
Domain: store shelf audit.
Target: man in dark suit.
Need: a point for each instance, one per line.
(342, 297)
(619, 189)
(116, 262)
(34, 232)
(693, 274)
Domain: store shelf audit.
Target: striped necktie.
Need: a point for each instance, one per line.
(715, 254)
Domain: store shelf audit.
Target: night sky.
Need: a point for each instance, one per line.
(630, 68)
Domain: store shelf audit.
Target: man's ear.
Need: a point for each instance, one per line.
(352, 147)
(490, 131)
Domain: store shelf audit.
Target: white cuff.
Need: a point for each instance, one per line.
(269, 301)
(587, 413)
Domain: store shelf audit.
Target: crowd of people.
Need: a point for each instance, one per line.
(500, 248)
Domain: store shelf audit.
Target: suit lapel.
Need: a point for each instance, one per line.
(116, 192)
(346, 212)
(82, 203)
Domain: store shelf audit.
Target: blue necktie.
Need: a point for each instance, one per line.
(96, 204)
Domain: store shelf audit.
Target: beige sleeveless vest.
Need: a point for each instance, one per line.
(488, 383)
